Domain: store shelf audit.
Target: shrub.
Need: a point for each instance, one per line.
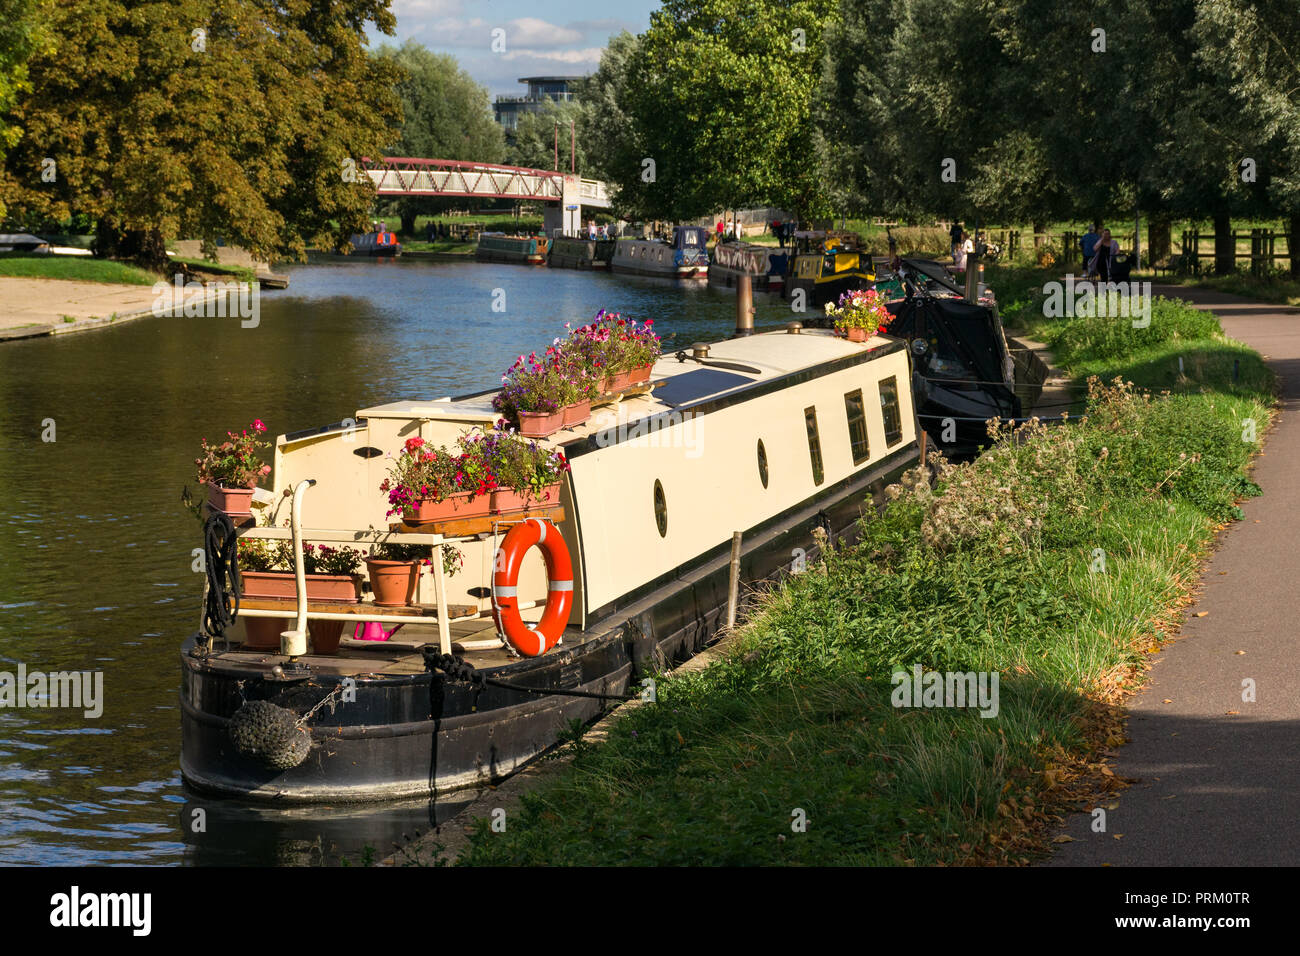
(1110, 336)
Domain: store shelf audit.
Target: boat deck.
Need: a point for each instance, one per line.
(402, 654)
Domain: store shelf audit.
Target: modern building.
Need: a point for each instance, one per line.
(508, 109)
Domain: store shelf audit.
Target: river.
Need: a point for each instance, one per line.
(96, 546)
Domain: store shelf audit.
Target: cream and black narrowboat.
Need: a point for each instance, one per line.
(826, 265)
(772, 435)
(685, 257)
(766, 266)
(498, 247)
(567, 252)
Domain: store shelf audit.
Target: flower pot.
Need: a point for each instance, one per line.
(640, 375)
(392, 581)
(236, 502)
(858, 335)
(540, 424)
(576, 413)
(263, 633)
(325, 636)
(508, 501)
(616, 382)
(280, 585)
(451, 508)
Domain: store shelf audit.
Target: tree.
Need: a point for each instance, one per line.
(718, 95)
(533, 142)
(446, 116)
(605, 130)
(22, 31)
(242, 120)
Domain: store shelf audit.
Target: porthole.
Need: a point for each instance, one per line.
(762, 463)
(661, 510)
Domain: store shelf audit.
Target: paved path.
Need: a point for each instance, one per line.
(1216, 788)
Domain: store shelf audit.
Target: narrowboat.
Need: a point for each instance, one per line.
(825, 265)
(498, 247)
(378, 242)
(685, 257)
(759, 446)
(567, 252)
(765, 265)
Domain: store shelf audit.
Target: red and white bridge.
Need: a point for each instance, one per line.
(395, 176)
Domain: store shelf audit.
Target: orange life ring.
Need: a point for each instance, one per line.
(532, 641)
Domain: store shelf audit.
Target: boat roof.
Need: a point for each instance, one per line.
(732, 365)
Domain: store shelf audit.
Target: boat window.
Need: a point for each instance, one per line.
(814, 444)
(762, 463)
(889, 410)
(856, 410)
(661, 510)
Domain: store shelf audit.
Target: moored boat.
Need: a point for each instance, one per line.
(773, 435)
(685, 257)
(567, 252)
(825, 265)
(378, 242)
(498, 247)
(765, 265)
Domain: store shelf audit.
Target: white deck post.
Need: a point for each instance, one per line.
(440, 592)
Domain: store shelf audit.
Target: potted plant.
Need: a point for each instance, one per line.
(533, 392)
(394, 570)
(232, 469)
(859, 314)
(643, 348)
(527, 474)
(427, 485)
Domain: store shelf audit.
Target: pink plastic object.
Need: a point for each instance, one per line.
(374, 631)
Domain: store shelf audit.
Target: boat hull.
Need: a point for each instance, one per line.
(417, 734)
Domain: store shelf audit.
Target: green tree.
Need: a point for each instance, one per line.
(605, 130)
(242, 120)
(446, 116)
(23, 30)
(533, 142)
(719, 96)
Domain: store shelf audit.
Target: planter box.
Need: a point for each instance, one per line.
(507, 501)
(858, 335)
(540, 424)
(263, 634)
(280, 585)
(236, 502)
(617, 382)
(454, 507)
(640, 375)
(577, 413)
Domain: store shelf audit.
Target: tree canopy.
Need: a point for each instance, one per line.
(241, 120)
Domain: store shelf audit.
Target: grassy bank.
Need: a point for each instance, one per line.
(1057, 560)
(1274, 286)
(78, 268)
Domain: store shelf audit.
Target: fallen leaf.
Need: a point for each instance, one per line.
(1119, 836)
(1241, 652)
(1200, 613)
(1064, 839)
(1167, 700)
(1231, 713)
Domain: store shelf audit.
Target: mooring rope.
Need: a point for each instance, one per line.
(460, 670)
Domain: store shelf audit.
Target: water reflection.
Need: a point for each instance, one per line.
(96, 547)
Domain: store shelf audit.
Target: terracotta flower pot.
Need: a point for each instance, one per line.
(640, 375)
(393, 581)
(576, 413)
(858, 335)
(540, 424)
(280, 585)
(325, 636)
(508, 501)
(617, 381)
(263, 633)
(453, 507)
(236, 502)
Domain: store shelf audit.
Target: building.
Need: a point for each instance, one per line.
(508, 109)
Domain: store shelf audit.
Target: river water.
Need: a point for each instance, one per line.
(95, 544)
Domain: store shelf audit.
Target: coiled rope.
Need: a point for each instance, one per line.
(222, 569)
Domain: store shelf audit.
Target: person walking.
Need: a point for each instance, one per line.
(954, 234)
(1088, 244)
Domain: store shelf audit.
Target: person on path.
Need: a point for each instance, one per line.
(964, 245)
(1103, 259)
(1089, 246)
(954, 234)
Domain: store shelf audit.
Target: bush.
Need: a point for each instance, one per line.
(1110, 336)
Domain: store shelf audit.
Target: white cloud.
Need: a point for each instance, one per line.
(590, 55)
(426, 8)
(523, 33)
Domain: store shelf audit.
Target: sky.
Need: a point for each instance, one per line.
(562, 38)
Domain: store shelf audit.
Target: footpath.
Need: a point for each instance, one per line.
(1217, 777)
(36, 307)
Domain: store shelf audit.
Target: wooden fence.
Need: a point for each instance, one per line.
(1262, 255)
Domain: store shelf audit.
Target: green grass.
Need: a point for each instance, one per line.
(1270, 287)
(238, 273)
(79, 268)
(995, 569)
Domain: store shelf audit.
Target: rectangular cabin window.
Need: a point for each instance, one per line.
(889, 410)
(814, 444)
(856, 410)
